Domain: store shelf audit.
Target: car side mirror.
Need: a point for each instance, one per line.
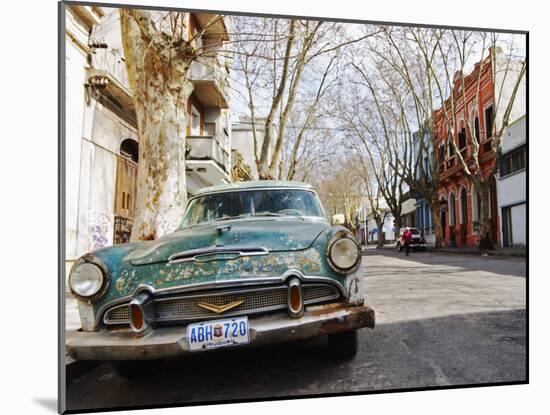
(338, 219)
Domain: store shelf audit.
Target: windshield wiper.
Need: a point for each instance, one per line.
(229, 217)
(267, 214)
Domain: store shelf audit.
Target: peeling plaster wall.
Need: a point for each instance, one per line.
(102, 136)
(75, 60)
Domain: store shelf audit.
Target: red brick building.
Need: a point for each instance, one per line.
(459, 200)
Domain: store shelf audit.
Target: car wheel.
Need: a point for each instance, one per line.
(136, 369)
(343, 345)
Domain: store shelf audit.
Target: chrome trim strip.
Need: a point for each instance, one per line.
(114, 322)
(194, 254)
(305, 302)
(216, 294)
(211, 285)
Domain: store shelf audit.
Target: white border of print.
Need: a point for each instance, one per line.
(29, 185)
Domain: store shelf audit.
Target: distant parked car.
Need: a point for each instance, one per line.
(418, 240)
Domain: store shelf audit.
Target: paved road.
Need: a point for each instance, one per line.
(442, 319)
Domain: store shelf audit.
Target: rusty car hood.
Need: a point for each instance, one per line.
(273, 234)
(292, 245)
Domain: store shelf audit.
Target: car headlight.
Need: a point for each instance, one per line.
(344, 254)
(86, 280)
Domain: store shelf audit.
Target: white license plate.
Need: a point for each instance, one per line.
(218, 333)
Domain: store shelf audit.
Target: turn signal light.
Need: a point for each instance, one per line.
(295, 300)
(137, 318)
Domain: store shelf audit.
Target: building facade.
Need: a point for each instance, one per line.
(242, 141)
(458, 198)
(408, 213)
(102, 145)
(422, 216)
(511, 185)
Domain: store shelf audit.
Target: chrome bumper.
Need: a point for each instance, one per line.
(172, 341)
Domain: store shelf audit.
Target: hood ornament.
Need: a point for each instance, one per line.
(220, 309)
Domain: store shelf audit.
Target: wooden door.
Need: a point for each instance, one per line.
(125, 198)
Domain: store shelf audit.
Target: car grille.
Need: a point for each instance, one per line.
(259, 300)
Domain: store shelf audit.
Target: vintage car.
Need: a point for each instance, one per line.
(252, 263)
(418, 241)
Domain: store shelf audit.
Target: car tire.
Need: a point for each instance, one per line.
(136, 369)
(343, 345)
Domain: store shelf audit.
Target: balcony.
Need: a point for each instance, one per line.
(105, 83)
(486, 152)
(452, 168)
(210, 82)
(215, 26)
(208, 159)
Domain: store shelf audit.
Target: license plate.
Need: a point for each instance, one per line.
(219, 333)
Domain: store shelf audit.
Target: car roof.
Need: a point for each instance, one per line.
(254, 184)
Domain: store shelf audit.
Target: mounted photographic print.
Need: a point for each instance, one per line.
(280, 207)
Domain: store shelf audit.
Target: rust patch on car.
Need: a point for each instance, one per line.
(355, 317)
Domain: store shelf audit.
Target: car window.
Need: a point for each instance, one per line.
(220, 206)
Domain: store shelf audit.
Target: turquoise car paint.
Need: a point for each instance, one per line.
(293, 243)
(275, 234)
(127, 277)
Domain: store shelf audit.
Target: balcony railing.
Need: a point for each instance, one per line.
(207, 147)
(110, 61)
(451, 167)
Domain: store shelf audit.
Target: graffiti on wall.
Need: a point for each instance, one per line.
(99, 230)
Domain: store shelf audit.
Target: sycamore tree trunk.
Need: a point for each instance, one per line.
(397, 219)
(380, 239)
(161, 89)
(483, 190)
(433, 203)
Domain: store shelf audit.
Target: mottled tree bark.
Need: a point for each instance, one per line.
(157, 72)
(482, 187)
(380, 235)
(435, 209)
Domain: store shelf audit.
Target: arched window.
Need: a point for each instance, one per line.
(452, 211)
(474, 125)
(129, 148)
(462, 135)
(463, 206)
(476, 205)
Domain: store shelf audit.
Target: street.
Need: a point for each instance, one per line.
(442, 319)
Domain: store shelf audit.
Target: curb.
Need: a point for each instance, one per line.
(476, 252)
(457, 251)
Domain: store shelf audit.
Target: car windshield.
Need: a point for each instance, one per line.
(231, 205)
(415, 231)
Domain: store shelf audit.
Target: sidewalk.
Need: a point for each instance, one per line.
(504, 252)
(508, 252)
